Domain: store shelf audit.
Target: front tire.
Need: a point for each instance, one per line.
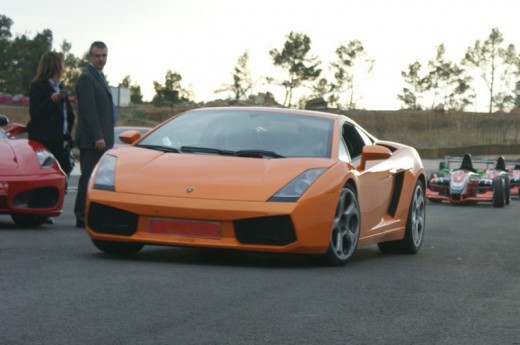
(415, 225)
(28, 220)
(507, 183)
(345, 229)
(499, 192)
(122, 248)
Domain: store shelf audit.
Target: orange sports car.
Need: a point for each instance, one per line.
(258, 179)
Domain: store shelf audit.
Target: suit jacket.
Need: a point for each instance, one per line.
(95, 110)
(46, 121)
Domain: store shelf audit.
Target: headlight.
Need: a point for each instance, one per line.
(45, 158)
(294, 189)
(105, 175)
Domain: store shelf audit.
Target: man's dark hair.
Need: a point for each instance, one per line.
(97, 44)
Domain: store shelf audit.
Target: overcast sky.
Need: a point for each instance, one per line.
(202, 39)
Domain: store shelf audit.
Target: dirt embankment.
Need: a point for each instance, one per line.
(433, 134)
(437, 134)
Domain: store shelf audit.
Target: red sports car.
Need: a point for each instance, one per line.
(32, 184)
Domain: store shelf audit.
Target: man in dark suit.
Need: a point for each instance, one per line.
(96, 117)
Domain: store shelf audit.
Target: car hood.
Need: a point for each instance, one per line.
(7, 156)
(18, 158)
(149, 172)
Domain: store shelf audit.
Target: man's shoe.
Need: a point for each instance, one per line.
(49, 220)
(80, 224)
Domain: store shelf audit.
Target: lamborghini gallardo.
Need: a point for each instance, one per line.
(258, 179)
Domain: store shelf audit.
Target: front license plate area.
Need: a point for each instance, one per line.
(184, 228)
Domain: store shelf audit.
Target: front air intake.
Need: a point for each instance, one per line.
(105, 219)
(273, 230)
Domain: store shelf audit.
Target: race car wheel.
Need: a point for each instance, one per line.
(112, 247)
(345, 229)
(415, 225)
(28, 220)
(499, 192)
(507, 185)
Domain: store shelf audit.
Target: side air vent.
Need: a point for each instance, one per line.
(396, 193)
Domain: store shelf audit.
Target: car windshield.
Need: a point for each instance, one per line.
(246, 133)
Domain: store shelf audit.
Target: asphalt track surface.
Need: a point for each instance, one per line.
(463, 287)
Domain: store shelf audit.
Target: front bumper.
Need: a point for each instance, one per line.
(299, 227)
(486, 196)
(32, 194)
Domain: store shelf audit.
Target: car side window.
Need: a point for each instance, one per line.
(343, 152)
(355, 140)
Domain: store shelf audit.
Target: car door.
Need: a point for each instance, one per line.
(376, 179)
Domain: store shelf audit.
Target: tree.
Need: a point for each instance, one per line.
(444, 82)
(325, 90)
(516, 95)
(447, 82)
(350, 58)
(171, 92)
(294, 59)
(495, 64)
(73, 66)
(19, 57)
(136, 96)
(411, 95)
(242, 82)
(25, 54)
(5, 43)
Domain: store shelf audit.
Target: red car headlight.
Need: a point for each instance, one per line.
(4, 188)
(45, 158)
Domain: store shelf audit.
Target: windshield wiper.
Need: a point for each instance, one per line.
(196, 149)
(160, 148)
(257, 154)
(239, 153)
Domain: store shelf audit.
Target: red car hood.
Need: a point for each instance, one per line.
(7, 156)
(149, 172)
(18, 157)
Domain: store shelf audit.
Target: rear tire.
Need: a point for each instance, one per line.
(499, 192)
(415, 225)
(507, 183)
(122, 248)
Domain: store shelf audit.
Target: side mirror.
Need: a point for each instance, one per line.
(3, 120)
(15, 129)
(130, 136)
(373, 152)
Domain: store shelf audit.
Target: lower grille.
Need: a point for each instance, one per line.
(275, 230)
(46, 197)
(109, 220)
